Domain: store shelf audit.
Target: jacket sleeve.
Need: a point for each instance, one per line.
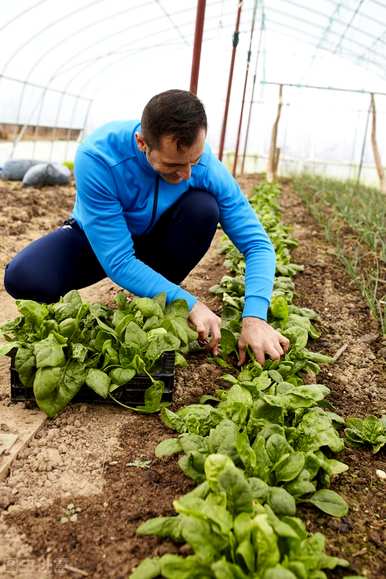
(102, 219)
(242, 226)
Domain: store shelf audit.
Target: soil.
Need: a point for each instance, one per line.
(88, 478)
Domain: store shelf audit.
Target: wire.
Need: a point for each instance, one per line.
(47, 27)
(174, 25)
(22, 13)
(51, 48)
(309, 23)
(336, 20)
(321, 39)
(348, 26)
(303, 35)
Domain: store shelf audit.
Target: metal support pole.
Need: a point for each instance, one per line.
(364, 145)
(244, 89)
(262, 25)
(333, 88)
(200, 18)
(235, 43)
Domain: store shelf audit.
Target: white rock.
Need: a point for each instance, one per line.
(380, 474)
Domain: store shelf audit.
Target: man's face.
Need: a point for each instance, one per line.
(173, 165)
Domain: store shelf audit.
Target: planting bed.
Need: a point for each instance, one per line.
(78, 492)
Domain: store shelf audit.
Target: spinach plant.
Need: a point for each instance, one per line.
(61, 347)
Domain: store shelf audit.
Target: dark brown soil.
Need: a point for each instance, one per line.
(102, 541)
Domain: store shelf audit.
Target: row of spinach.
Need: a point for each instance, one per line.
(256, 449)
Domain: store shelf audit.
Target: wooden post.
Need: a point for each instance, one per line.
(374, 144)
(274, 151)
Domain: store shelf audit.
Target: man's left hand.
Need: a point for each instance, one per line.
(262, 339)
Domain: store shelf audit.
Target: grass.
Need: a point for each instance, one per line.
(361, 248)
(363, 208)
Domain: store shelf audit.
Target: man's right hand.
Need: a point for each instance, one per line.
(207, 325)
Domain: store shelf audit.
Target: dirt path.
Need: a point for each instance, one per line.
(74, 499)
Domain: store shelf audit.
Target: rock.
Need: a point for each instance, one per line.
(6, 498)
(52, 455)
(14, 509)
(344, 379)
(382, 352)
(380, 474)
(368, 338)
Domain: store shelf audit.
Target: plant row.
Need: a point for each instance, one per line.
(257, 449)
(363, 208)
(336, 204)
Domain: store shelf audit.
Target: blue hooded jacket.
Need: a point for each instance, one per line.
(114, 200)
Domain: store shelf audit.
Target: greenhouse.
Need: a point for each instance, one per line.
(193, 289)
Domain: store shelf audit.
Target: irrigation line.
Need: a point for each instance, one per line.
(235, 41)
(245, 87)
(262, 28)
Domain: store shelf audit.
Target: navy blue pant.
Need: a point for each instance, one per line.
(63, 260)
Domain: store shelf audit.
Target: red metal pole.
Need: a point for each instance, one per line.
(200, 17)
(253, 92)
(235, 43)
(245, 89)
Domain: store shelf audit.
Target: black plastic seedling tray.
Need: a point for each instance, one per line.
(131, 393)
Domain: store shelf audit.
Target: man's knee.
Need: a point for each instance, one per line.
(202, 208)
(23, 283)
(12, 280)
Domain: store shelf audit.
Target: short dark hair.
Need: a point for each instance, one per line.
(178, 113)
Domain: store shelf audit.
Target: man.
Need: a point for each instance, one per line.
(149, 197)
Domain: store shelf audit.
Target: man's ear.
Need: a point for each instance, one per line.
(140, 142)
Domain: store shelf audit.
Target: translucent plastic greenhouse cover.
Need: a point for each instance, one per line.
(81, 63)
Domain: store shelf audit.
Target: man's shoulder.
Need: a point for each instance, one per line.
(112, 142)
